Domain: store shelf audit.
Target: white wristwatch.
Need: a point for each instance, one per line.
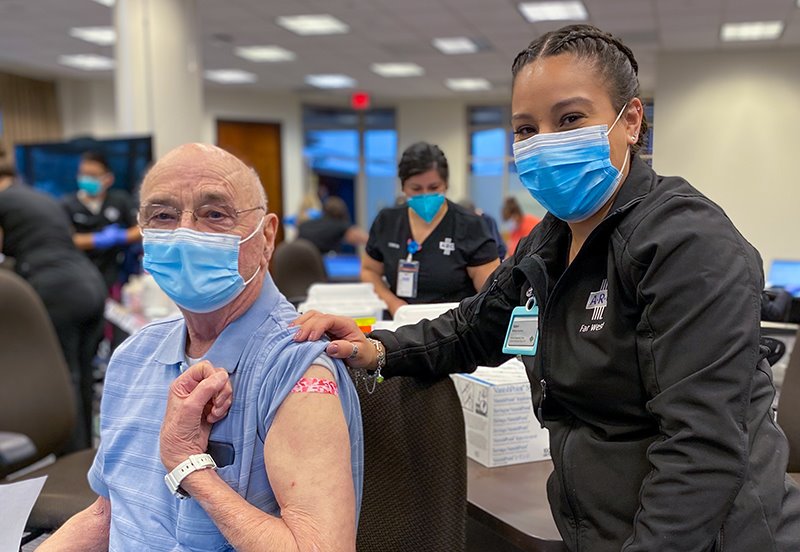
(192, 464)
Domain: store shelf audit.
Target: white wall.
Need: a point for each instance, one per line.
(263, 108)
(87, 108)
(440, 122)
(728, 123)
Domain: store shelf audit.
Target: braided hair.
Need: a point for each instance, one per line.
(422, 157)
(613, 60)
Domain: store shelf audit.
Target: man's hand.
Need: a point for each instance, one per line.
(345, 333)
(198, 398)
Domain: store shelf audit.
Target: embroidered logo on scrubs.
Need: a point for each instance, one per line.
(447, 246)
(598, 300)
(111, 213)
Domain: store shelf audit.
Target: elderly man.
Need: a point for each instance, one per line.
(279, 420)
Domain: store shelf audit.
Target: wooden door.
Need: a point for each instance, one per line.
(258, 145)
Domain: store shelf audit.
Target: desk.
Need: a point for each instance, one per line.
(512, 501)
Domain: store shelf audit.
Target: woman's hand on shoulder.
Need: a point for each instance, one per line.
(348, 341)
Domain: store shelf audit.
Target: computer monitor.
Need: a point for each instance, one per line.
(785, 274)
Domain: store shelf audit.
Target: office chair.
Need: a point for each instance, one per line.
(37, 409)
(415, 470)
(295, 266)
(789, 409)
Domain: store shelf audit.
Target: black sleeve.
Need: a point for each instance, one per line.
(482, 248)
(463, 338)
(699, 287)
(375, 235)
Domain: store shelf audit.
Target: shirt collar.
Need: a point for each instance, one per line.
(227, 349)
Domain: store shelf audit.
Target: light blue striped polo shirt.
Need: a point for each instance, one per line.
(264, 363)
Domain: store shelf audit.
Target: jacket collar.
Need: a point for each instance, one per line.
(640, 181)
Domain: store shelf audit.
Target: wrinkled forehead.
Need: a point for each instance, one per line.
(200, 171)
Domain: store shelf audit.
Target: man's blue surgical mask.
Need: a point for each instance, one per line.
(570, 173)
(197, 270)
(89, 184)
(426, 205)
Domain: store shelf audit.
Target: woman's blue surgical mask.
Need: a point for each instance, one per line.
(570, 173)
(197, 270)
(89, 184)
(426, 205)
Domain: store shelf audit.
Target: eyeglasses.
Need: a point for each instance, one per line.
(208, 218)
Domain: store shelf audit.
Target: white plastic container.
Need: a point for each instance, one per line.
(357, 301)
(411, 314)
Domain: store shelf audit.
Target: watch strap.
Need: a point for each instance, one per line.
(192, 464)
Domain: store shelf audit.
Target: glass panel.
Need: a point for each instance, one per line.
(332, 151)
(487, 115)
(486, 192)
(329, 118)
(380, 149)
(379, 119)
(489, 143)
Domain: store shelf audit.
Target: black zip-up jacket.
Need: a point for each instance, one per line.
(648, 375)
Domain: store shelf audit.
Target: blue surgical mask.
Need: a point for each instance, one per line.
(92, 186)
(197, 270)
(426, 205)
(570, 173)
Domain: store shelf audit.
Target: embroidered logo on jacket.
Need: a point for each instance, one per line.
(598, 300)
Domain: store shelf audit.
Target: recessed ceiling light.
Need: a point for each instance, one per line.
(230, 76)
(271, 54)
(553, 11)
(87, 62)
(468, 85)
(455, 45)
(306, 25)
(754, 30)
(104, 36)
(330, 81)
(108, 3)
(390, 70)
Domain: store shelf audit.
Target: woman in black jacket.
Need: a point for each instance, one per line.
(645, 363)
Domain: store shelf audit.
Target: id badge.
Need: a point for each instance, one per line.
(407, 276)
(522, 336)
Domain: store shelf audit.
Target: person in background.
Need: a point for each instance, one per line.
(430, 250)
(516, 223)
(310, 208)
(35, 232)
(104, 219)
(260, 436)
(491, 226)
(635, 307)
(333, 228)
